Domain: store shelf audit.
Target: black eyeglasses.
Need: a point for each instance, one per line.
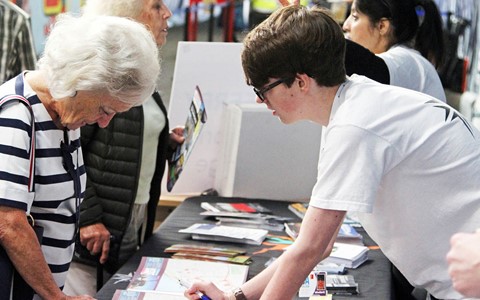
(261, 92)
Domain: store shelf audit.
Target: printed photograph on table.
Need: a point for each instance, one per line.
(197, 117)
(163, 275)
(142, 295)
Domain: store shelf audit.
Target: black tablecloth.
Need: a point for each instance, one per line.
(373, 277)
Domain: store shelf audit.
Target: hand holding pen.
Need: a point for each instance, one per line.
(188, 285)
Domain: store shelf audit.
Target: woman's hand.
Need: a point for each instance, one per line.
(176, 137)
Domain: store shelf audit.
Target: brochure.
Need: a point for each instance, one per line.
(242, 207)
(197, 117)
(142, 295)
(298, 208)
(347, 233)
(231, 234)
(163, 275)
(204, 250)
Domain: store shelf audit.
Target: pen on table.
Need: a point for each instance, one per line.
(199, 294)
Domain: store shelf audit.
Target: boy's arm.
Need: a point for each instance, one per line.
(284, 277)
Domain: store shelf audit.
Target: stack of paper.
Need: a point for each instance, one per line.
(261, 223)
(349, 255)
(243, 214)
(347, 233)
(208, 253)
(231, 234)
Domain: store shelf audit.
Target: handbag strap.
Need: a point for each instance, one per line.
(18, 97)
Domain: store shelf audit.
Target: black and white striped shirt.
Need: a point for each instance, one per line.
(53, 203)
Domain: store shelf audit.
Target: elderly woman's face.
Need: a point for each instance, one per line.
(155, 15)
(89, 107)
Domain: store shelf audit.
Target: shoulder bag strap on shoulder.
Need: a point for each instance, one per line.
(18, 97)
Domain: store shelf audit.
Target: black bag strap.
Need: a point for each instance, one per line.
(18, 97)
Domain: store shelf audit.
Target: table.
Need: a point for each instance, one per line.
(373, 277)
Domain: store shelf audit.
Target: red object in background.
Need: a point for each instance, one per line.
(464, 74)
(191, 19)
(53, 7)
(191, 16)
(244, 207)
(228, 21)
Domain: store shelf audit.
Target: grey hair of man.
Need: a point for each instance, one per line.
(120, 8)
(102, 53)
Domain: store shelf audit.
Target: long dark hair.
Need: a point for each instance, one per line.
(416, 23)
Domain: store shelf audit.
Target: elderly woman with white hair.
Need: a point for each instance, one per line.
(91, 69)
(125, 162)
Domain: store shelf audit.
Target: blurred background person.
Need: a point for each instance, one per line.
(125, 163)
(17, 52)
(397, 42)
(91, 69)
(406, 35)
(261, 9)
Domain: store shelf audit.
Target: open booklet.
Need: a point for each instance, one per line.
(144, 295)
(196, 119)
(162, 276)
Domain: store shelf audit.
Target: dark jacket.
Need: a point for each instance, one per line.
(112, 157)
(359, 60)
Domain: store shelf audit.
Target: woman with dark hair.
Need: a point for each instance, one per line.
(405, 34)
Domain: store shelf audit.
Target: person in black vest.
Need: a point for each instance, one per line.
(125, 163)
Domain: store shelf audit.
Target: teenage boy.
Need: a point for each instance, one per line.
(407, 163)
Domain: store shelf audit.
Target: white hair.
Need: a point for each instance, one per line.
(120, 8)
(102, 53)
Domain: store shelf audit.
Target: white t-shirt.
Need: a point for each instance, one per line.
(153, 123)
(409, 69)
(410, 165)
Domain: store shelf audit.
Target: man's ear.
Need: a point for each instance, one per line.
(303, 80)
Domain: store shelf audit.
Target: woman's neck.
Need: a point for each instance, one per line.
(36, 80)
